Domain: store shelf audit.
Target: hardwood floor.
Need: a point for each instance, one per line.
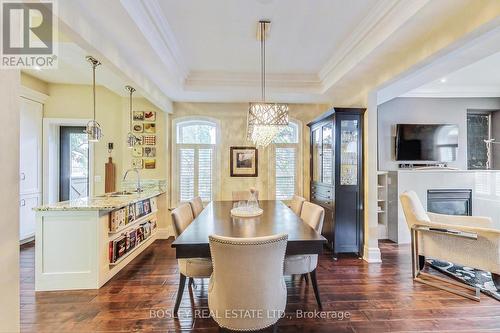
(378, 298)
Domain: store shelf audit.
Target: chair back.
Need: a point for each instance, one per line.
(413, 209)
(196, 206)
(296, 204)
(244, 195)
(182, 217)
(313, 215)
(247, 275)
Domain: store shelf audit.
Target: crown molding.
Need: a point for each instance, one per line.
(384, 19)
(300, 82)
(456, 92)
(148, 17)
(33, 95)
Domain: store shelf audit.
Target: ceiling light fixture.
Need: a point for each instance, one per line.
(265, 120)
(93, 130)
(443, 80)
(132, 140)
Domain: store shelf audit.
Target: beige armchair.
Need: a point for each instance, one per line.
(247, 290)
(190, 268)
(296, 204)
(466, 240)
(196, 206)
(313, 215)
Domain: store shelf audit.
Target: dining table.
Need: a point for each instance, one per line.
(276, 218)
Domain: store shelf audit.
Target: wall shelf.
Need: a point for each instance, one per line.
(382, 185)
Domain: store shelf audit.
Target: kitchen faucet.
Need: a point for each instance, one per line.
(138, 189)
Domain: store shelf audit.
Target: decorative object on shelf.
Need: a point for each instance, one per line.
(149, 116)
(137, 151)
(244, 162)
(149, 152)
(265, 120)
(132, 140)
(138, 115)
(149, 128)
(149, 140)
(149, 163)
(93, 129)
(137, 163)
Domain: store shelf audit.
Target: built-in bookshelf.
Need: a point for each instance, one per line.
(137, 247)
(382, 204)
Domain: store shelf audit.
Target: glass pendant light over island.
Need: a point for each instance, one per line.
(93, 129)
(132, 140)
(265, 120)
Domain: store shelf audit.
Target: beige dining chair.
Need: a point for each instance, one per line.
(190, 268)
(313, 215)
(247, 279)
(296, 204)
(196, 206)
(470, 241)
(244, 195)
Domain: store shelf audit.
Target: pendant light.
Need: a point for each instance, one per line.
(265, 120)
(132, 140)
(93, 130)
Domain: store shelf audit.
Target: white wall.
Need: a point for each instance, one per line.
(426, 111)
(9, 205)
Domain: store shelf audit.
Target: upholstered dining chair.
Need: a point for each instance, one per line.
(296, 204)
(470, 241)
(196, 206)
(248, 275)
(313, 215)
(190, 268)
(244, 195)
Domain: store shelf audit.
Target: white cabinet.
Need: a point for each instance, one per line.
(30, 165)
(27, 215)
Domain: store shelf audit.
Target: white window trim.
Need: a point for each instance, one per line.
(299, 167)
(175, 179)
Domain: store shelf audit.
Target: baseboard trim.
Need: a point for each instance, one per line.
(372, 255)
(164, 233)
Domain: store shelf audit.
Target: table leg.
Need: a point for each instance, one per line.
(180, 291)
(315, 287)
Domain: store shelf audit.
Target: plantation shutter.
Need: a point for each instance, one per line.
(186, 173)
(205, 163)
(285, 173)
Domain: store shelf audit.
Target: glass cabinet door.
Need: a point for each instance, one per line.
(349, 152)
(327, 165)
(316, 155)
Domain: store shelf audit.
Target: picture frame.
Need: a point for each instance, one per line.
(149, 163)
(149, 140)
(136, 151)
(149, 152)
(137, 163)
(138, 127)
(138, 116)
(149, 128)
(149, 115)
(244, 161)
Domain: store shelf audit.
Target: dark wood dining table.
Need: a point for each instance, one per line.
(277, 218)
(216, 219)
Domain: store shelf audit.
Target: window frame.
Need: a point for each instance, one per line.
(175, 184)
(298, 162)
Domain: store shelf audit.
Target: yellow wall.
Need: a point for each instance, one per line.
(34, 83)
(232, 118)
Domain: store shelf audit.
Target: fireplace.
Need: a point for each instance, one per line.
(450, 201)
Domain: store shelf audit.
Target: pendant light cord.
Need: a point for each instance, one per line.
(93, 84)
(130, 113)
(263, 59)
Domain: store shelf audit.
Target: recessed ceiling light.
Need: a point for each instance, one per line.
(37, 68)
(443, 80)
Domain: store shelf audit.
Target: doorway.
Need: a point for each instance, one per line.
(73, 163)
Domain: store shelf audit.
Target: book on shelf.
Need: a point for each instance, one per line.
(147, 206)
(131, 239)
(154, 204)
(131, 213)
(117, 219)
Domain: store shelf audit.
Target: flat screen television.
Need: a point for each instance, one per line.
(426, 142)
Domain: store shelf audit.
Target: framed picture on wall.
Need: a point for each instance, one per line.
(137, 163)
(244, 162)
(138, 127)
(138, 115)
(149, 163)
(149, 116)
(149, 152)
(149, 128)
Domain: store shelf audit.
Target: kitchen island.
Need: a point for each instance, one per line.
(82, 243)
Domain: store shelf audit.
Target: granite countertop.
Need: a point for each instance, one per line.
(99, 202)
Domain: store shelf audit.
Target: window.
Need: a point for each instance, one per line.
(195, 140)
(286, 155)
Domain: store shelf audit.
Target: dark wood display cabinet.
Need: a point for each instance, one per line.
(337, 177)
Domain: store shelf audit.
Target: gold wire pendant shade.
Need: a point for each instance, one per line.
(265, 120)
(93, 129)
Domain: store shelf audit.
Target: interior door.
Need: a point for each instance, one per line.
(73, 163)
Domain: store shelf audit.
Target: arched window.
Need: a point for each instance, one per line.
(286, 162)
(196, 143)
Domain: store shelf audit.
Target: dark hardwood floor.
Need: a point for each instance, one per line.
(378, 298)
